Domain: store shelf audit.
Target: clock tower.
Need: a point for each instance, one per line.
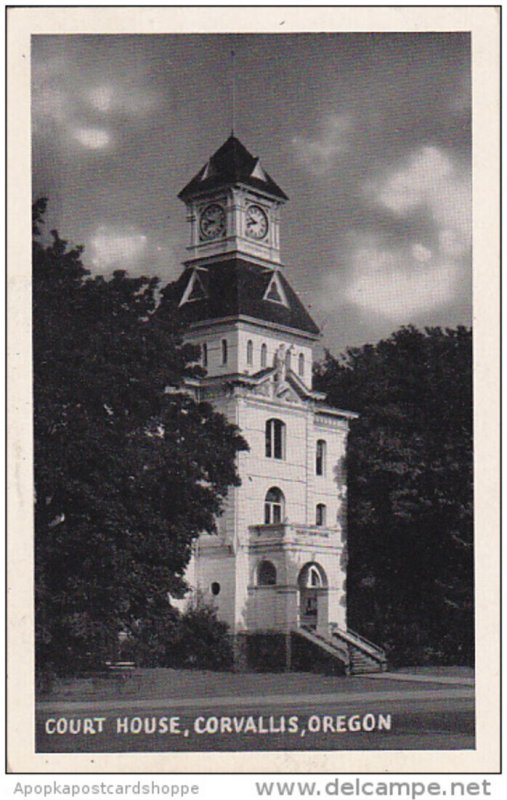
(276, 571)
(233, 207)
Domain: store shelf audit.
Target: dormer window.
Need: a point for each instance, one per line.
(275, 292)
(195, 289)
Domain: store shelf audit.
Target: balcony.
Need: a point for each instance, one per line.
(294, 532)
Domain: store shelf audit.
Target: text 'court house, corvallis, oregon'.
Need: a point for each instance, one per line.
(276, 571)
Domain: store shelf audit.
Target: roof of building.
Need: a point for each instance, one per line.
(237, 287)
(232, 163)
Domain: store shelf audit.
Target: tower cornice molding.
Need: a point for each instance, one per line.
(226, 322)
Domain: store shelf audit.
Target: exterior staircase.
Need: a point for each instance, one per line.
(357, 655)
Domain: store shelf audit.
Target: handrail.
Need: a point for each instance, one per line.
(322, 641)
(357, 639)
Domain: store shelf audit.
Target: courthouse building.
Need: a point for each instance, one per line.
(276, 572)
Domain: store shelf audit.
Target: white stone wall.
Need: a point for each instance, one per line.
(216, 564)
(238, 335)
(231, 559)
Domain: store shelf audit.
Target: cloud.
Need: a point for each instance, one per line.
(400, 277)
(319, 153)
(430, 181)
(69, 106)
(116, 248)
(101, 98)
(121, 99)
(400, 284)
(92, 138)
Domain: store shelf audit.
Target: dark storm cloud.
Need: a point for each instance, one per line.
(368, 134)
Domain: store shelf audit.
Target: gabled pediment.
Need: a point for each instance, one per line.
(286, 386)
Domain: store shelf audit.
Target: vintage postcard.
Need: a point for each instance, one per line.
(253, 281)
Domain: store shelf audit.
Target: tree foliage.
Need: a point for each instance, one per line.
(410, 464)
(129, 468)
(194, 639)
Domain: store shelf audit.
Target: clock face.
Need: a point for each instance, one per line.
(256, 222)
(212, 222)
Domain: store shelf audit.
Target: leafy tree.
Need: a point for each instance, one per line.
(410, 464)
(129, 468)
(194, 639)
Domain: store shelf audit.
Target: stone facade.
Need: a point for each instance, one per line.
(279, 559)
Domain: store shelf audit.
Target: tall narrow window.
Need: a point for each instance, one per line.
(275, 438)
(205, 355)
(320, 514)
(274, 506)
(264, 355)
(249, 353)
(224, 351)
(288, 359)
(301, 365)
(320, 457)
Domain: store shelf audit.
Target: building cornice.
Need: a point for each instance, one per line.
(226, 321)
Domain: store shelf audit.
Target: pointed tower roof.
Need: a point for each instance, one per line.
(232, 163)
(239, 288)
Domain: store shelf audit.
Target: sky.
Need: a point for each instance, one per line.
(368, 134)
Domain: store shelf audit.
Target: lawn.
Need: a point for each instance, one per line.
(172, 683)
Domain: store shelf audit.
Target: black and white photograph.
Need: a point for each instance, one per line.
(255, 290)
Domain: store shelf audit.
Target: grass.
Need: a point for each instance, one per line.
(167, 683)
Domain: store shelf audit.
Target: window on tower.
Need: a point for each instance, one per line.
(264, 355)
(301, 365)
(275, 438)
(249, 353)
(288, 359)
(274, 506)
(224, 351)
(320, 457)
(266, 574)
(320, 515)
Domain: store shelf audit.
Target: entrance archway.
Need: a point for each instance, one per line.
(313, 600)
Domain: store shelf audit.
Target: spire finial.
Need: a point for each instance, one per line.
(233, 89)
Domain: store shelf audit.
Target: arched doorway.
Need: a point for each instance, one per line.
(313, 603)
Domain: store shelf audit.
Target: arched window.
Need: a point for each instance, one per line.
(204, 355)
(224, 351)
(301, 365)
(274, 506)
(320, 457)
(266, 574)
(320, 514)
(288, 359)
(249, 352)
(264, 355)
(215, 588)
(275, 438)
(314, 578)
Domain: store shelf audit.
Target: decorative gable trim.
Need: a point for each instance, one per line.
(275, 293)
(195, 290)
(258, 172)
